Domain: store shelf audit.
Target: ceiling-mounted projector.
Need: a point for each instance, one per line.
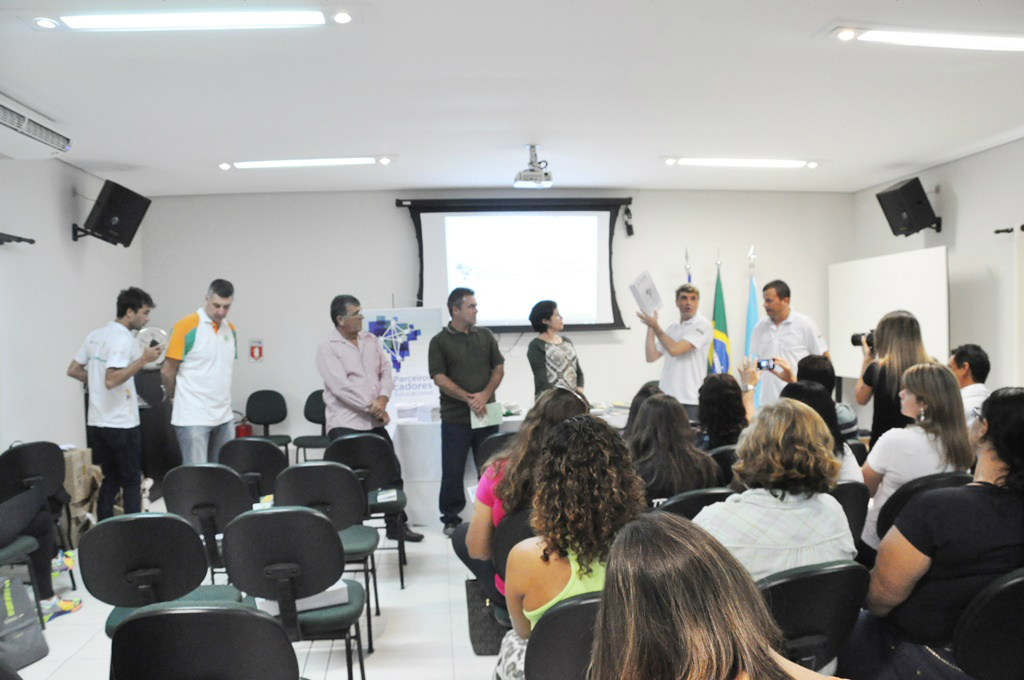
(534, 177)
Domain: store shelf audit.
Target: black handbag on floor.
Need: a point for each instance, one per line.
(21, 637)
(485, 633)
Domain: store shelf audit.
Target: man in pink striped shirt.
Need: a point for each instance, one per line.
(357, 384)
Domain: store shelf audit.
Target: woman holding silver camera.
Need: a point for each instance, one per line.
(897, 347)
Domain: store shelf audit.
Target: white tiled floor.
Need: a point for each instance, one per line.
(421, 632)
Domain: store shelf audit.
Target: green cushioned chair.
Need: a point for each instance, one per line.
(334, 490)
(266, 408)
(315, 413)
(257, 460)
(289, 553)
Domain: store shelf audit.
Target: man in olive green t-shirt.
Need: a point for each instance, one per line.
(466, 365)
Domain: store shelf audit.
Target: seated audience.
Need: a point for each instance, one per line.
(643, 394)
(815, 396)
(677, 606)
(585, 490)
(506, 485)
(722, 411)
(970, 366)
(662, 445)
(936, 442)
(945, 547)
(785, 519)
(818, 368)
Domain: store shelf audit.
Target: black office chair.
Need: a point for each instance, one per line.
(315, 412)
(371, 457)
(816, 608)
(943, 480)
(725, 456)
(257, 460)
(510, 530)
(986, 642)
(689, 503)
(853, 496)
(494, 443)
(860, 450)
(334, 490)
(145, 558)
(286, 554)
(226, 642)
(560, 644)
(209, 496)
(22, 508)
(266, 408)
(39, 464)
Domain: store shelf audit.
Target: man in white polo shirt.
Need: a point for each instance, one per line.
(197, 376)
(107, 364)
(783, 334)
(970, 365)
(686, 344)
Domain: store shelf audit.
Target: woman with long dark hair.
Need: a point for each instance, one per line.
(944, 548)
(721, 410)
(661, 442)
(817, 397)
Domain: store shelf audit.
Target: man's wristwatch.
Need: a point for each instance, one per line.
(748, 388)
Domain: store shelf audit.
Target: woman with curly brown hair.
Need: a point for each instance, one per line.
(506, 485)
(785, 519)
(585, 490)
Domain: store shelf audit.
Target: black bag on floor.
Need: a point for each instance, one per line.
(485, 633)
(21, 637)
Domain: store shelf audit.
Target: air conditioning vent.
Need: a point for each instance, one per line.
(23, 137)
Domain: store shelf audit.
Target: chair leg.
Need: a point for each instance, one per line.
(67, 514)
(401, 555)
(359, 651)
(35, 591)
(348, 653)
(369, 608)
(376, 589)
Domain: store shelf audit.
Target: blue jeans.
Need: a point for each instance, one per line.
(119, 453)
(875, 652)
(456, 440)
(201, 443)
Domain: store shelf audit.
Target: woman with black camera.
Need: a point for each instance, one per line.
(897, 346)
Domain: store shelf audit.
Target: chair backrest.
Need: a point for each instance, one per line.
(283, 554)
(891, 510)
(330, 488)
(32, 464)
(366, 453)
(689, 503)
(560, 644)
(510, 530)
(142, 558)
(258, 461)
(987, 638)
(853, 496)
(494, 443)
(725, 456)
(266, 407)
(315, 411)
(209, 496)
(816, 608)
(860, 450)
(226, 641)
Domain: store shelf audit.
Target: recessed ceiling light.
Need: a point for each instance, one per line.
(193, 21)
(306, 163)
(384, 160)
(740, 163)
(43, 22)
(812, 165)
(846, 34)
(224, 166)
(342, 18)
(670, 161)
(957, 41)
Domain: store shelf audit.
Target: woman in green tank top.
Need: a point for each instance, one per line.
(585, 490)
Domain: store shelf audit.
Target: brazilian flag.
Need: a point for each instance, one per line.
(718, 357)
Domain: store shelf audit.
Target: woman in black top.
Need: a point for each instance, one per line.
(898, 346)
(945, 547)
(552, 357)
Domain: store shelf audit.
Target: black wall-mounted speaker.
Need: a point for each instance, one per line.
(907, 209)
(117, 214)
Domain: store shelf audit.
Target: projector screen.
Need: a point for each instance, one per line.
(515, 253)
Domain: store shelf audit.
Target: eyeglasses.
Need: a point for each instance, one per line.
(976, 413)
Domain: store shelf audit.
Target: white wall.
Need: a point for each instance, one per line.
(289, 254)
(978, 194)
(52, 294)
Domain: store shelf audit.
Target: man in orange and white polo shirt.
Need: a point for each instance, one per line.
(197, 376)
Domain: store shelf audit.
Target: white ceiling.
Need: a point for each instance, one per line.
(456, 88)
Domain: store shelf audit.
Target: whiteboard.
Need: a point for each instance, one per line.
(861, 292)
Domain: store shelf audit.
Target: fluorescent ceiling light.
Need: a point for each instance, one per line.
(305, 163)
(740, 163)
(957, 41)
(193, 21)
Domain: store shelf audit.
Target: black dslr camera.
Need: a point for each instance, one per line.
(855, 339)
